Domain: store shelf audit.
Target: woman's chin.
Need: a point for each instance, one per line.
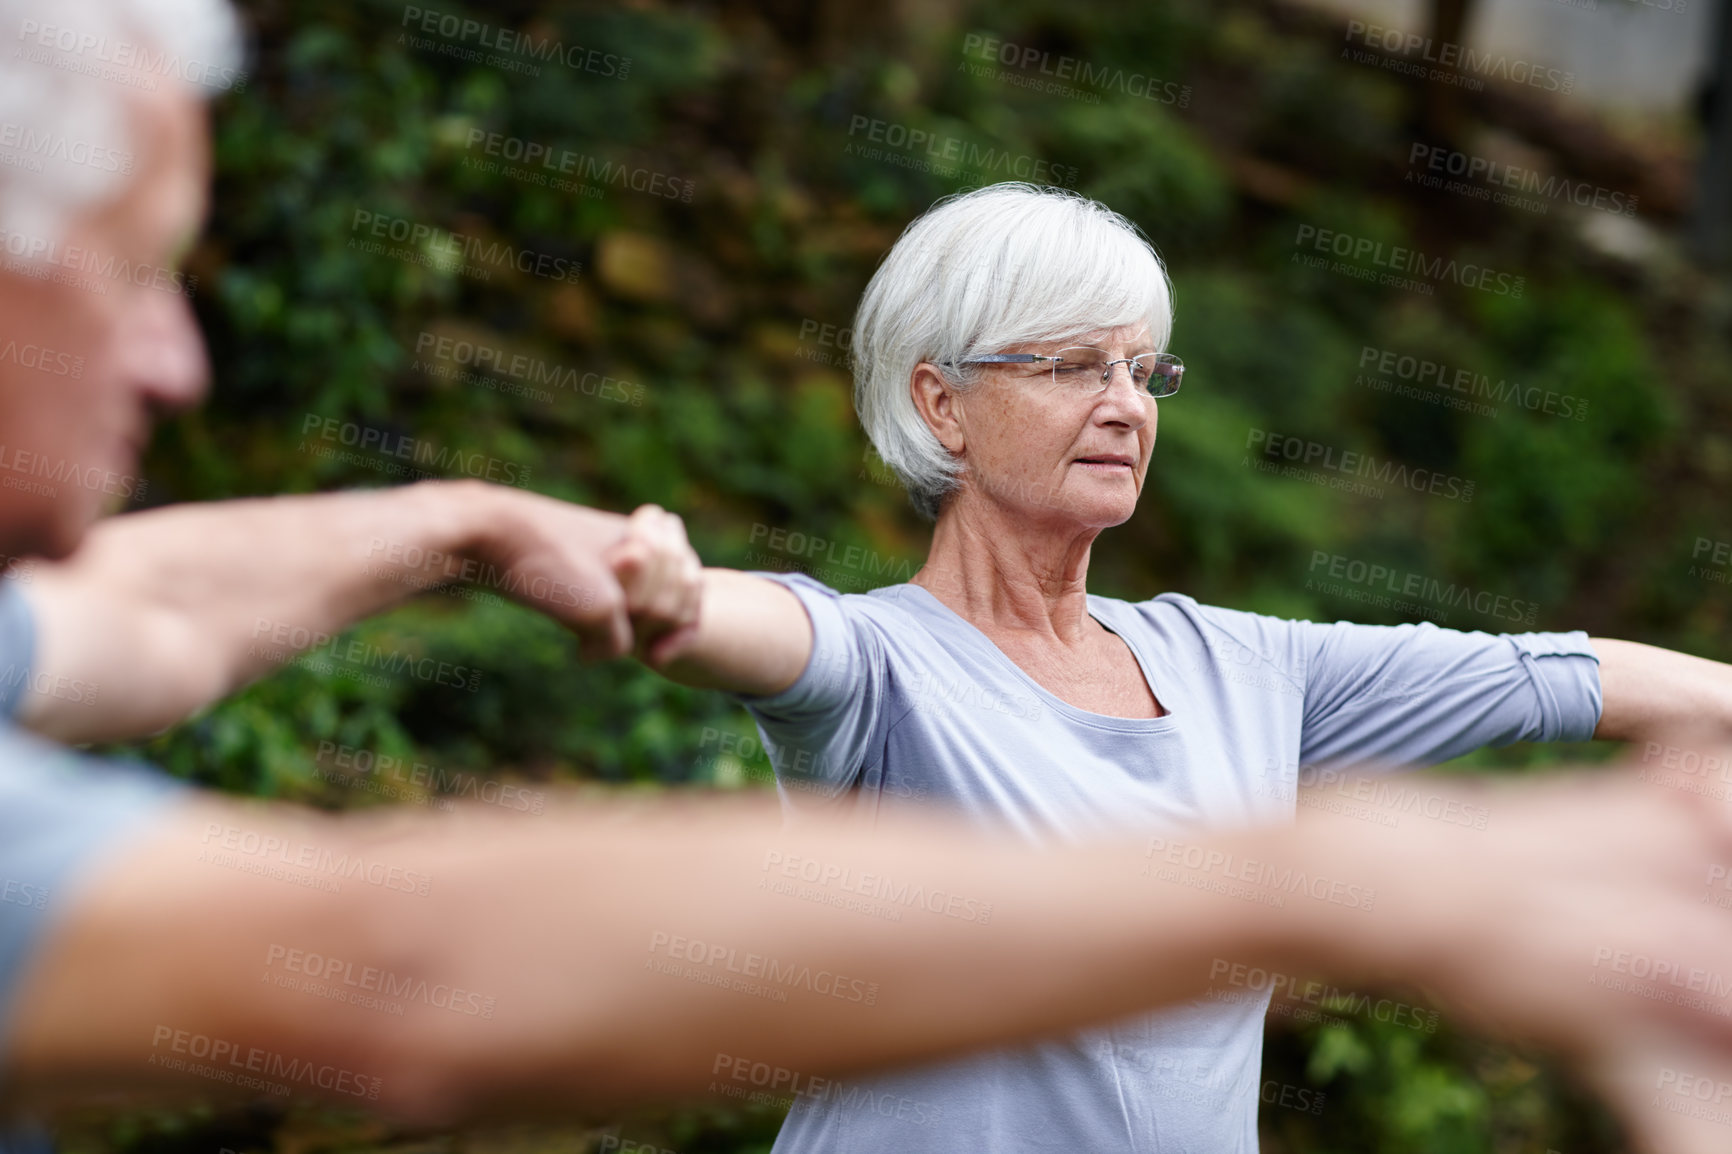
(1097, 510)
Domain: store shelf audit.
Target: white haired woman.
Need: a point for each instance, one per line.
(1010, 355)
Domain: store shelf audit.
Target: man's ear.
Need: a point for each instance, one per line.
(938, 405)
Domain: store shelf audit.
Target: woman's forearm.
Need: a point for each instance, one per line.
(1647, 690)
(753, 637)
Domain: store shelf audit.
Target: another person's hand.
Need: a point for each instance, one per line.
(1587, 916)
(553, 556)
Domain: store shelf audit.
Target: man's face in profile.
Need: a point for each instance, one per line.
(70, 445)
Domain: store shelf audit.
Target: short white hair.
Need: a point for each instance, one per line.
(1007, 264)
(70, 71)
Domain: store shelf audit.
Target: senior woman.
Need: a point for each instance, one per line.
(1009, 362)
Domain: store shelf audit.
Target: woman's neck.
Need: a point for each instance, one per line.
(1004, 572)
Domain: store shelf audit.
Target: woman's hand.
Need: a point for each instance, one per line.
(663, 580)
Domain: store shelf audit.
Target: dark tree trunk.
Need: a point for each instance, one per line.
(1441, 115)
(1713, 223)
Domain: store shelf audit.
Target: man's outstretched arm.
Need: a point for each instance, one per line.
(160, 613)
(600, 953)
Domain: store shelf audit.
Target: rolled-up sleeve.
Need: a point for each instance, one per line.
(1418, 694)
(824, 729)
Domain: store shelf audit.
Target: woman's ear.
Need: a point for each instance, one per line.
(938, 405)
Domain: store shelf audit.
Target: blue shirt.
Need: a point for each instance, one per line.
(60, 815)
(904, 698)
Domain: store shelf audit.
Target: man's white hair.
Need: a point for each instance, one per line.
(71, 67)
(981, 271)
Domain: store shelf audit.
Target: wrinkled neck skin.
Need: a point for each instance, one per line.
(1007, 573)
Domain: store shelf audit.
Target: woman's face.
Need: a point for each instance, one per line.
(1055, 453)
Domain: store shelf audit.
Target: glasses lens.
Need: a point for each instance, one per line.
(1080, 369)
(1158, 374)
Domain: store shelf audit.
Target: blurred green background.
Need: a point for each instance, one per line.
(728, 202)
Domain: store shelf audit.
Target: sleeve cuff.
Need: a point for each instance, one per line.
(1566, 675)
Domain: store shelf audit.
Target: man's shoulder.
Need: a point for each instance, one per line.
(37, 774)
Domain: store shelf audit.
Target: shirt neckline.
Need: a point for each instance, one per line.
(1053, 700)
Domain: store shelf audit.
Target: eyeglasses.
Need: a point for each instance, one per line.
(1088, 371)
